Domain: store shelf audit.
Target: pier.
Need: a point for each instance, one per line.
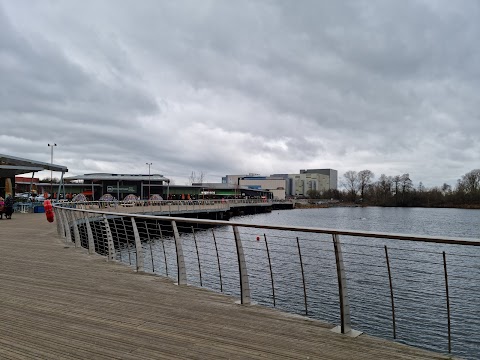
(57, 301)
(201, 209)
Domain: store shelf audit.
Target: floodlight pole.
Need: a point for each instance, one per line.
(51, 171)
(149, 164)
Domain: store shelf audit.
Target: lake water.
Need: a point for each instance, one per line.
(417, 270)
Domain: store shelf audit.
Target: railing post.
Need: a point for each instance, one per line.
(138, 247)
(242, 268)
(111, 247)
(76, 233)
(448, 302)
(163, 247)
(181, 269)
(392, 299)
(68, 235)
(198, 257)
(218, 261)
(270, 267)
(91, 243)
(345, 327)
(60, 228)
(59, 222)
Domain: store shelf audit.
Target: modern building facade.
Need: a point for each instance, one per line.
(288, 185)
(312, 180)
(121, 185)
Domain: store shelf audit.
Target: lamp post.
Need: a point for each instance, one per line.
(168, 189)
(149, 164)
(51, 171)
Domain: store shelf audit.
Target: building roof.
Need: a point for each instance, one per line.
(11, 166)
(125, 177)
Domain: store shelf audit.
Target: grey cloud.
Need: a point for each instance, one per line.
(265, 85)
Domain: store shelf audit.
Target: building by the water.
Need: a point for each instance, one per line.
(120, 185)
(288, 185)
(144, 186)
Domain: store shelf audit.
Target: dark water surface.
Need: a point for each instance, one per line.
(417, 270)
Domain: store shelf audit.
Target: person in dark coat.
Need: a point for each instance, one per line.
(2, 207)
(8, 207)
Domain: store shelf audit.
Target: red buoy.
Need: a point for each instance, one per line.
(47, 205)
(258, 238)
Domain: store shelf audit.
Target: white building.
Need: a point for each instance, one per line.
(283, 185)
(312, 179)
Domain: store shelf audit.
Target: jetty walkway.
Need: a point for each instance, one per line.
(58, 302)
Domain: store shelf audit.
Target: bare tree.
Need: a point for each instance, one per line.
(406, 184)
(351, 183)
(196, 179)
(385, 184)
(446, 189)
(364, 180)
(471, 181)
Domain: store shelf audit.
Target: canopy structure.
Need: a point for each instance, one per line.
(130, 198)
(11, 166)
(107, 197)
(79, 198)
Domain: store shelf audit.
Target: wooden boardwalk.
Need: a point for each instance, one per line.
(57, 302)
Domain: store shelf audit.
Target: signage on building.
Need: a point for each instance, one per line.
(207, 192)
(122, 189)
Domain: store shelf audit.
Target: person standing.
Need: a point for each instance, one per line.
(2, 207)
(8, 207)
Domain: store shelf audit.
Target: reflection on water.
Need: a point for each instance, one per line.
(417, 270)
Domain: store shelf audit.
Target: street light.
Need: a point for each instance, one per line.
(168, 189)
(149, 164)
(51, 171)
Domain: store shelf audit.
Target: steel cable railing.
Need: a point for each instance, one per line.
(418, 290)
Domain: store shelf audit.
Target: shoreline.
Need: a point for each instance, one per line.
(299, 205)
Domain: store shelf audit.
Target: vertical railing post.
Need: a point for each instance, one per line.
(448, 302)
(218, 261)
(242, 269)
(91, 243)
(60, 228)
(126, 238)
(117, 237)
(68, 235)
(111, 247)
(181, 269)
(138, 247)
(76, 233)
(198, 256)
(150, 245)
(303, 277)
(345, 322)
(59, 222)
(270, 267)
(392, 300)
(163, 247)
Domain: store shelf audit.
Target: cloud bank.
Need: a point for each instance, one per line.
(251, 86)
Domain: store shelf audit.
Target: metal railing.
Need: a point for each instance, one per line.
(169, 207)
(385, 284)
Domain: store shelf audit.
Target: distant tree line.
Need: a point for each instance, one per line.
(399, 190)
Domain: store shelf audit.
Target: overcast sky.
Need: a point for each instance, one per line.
(233, 87)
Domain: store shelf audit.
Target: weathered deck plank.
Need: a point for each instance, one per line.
(58, 302)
